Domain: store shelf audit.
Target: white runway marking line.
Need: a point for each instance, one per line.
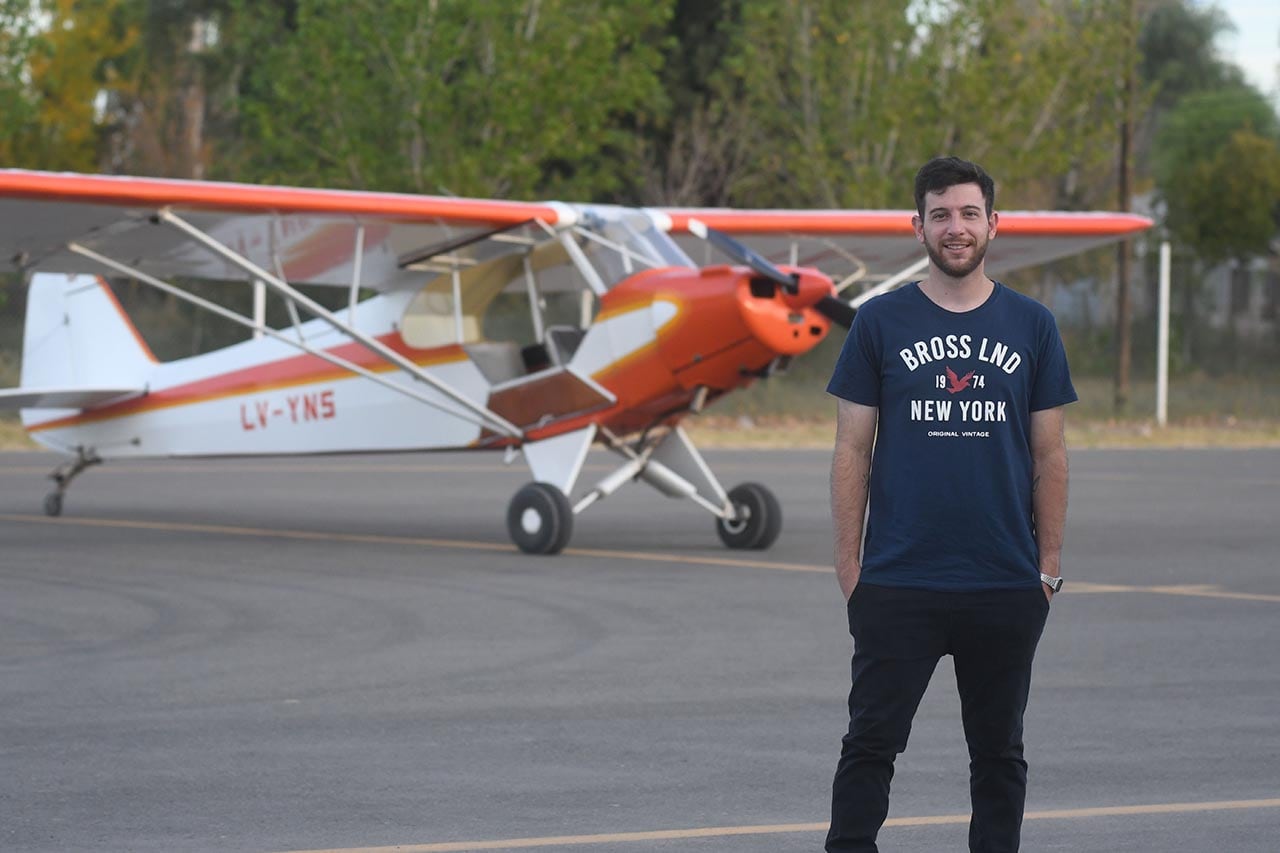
(417, 541)
(793, 828)
(1077, 587)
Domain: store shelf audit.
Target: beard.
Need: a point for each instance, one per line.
(958, 269)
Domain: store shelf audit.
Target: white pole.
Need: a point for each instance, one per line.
(1162, 340)
(259, 307)
(457, 304)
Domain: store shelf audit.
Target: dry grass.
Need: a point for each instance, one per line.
(12, 436)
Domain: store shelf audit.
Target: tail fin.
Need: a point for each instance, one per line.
(77, 336)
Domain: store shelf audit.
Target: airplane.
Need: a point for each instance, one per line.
(535, 329)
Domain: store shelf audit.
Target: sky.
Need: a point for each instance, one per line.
(1255, 45)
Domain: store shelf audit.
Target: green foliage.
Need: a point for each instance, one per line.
(485, 98)
(1177, 54)
(847, 99)
(18, 103)
(1217, 167)
(56, 56)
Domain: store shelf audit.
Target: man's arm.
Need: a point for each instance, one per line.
(850, 481)
(1049, 486)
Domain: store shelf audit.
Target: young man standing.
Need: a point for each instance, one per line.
(958, 384)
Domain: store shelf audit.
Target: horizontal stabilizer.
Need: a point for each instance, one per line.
(63, 398)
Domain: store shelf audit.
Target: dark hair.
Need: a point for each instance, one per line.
(941, 173)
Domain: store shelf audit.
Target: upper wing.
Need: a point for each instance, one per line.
(305, 236)
(881, 242)
(311, 236)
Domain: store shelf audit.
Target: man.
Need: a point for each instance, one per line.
(958, 383)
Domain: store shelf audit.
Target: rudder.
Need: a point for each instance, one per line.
(77, 335)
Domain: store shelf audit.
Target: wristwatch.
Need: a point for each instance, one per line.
(1054, 582)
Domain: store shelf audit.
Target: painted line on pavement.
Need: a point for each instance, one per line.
(384, 539)
(793, 828)
(1077, 587)
(1192, 590)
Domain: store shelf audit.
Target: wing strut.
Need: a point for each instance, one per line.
(890, 283)
(498, 423)
(258, 328)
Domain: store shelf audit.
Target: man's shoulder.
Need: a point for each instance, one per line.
(1025, 305)
(886, 303)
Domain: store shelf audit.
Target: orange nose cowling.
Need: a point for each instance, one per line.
(734, 324)
(786, 323)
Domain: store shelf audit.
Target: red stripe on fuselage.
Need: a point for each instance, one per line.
(271, 376)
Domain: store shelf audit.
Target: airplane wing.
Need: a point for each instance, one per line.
(880, 243)
(316, 236)
(305, 236)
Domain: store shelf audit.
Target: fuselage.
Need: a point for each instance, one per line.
(658, 338)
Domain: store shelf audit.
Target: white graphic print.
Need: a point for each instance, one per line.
(964, 383)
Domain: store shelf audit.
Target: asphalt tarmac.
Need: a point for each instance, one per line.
(345, 653)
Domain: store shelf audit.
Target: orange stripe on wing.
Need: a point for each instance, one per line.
(891, 223)
(155, 192)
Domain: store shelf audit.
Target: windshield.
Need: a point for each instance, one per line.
(621, 247)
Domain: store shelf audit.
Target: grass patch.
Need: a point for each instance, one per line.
(13, 436)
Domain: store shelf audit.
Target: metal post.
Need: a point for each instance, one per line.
(356, 270)
(259, 307)
(1162, 339)
(535, 299)
(457, 304)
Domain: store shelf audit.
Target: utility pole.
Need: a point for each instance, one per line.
(1123, 192)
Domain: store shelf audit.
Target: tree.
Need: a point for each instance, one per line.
(1177, 54)
(1216, 161)
(55, 58)
(847, 99)
(484, 98)
(179, 102)
(1212, 141)
(1228, 204)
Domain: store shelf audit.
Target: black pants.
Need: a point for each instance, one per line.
(899, 635)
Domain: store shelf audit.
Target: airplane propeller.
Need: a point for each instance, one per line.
(834, 309)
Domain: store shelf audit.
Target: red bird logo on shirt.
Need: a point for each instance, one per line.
(956, 384)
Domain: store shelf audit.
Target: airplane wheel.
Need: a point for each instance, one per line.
(759, 518)
(540, 519)
(53, 504)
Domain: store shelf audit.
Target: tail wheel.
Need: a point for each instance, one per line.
(53, 504)
(540, 519)
(758, 521)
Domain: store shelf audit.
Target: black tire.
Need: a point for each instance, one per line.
(53, 504)
(540, 519)
(760, 518)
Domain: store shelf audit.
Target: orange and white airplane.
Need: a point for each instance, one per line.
(534, 328)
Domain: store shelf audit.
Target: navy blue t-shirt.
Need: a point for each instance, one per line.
(950, 498)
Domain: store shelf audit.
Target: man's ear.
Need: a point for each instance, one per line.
(993, 223)
(918, 226)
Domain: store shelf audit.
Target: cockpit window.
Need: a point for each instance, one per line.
(516, 295)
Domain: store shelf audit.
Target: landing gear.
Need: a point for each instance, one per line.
(540, 516)
(757, 518)
(540, 519)
(63, 475)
